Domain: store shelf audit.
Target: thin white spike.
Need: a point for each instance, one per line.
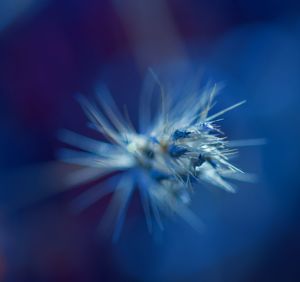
(247, 142)
(91, 196)
(83, 142)
(85, 175)
(145, 103)
(145, 203)
(225, 110)
(156, 214)
(111, 110)
(101, 123)
(187, 215)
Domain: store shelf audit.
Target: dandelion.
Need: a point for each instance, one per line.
(174, 150)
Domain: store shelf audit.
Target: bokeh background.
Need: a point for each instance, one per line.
(53, 49)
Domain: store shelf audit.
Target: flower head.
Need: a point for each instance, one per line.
(174, 150)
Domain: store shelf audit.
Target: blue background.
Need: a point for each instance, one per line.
(50, 50)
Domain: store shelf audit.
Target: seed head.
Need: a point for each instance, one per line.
(166, 160)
